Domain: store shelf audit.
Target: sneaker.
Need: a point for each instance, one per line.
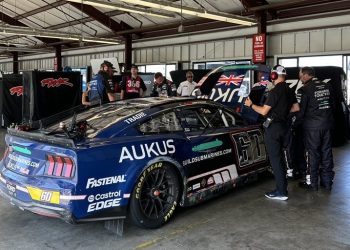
(306, 186)
(275, 195)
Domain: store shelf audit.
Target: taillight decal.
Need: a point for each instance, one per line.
(51, 165)
(59, 166)
(69, 167)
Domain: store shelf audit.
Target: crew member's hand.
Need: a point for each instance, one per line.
(248, 102)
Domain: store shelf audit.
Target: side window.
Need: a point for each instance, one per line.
(164, 123)
(232, 119)
(191, 120)
(213, 116)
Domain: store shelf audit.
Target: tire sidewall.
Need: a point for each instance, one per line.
(137, 214)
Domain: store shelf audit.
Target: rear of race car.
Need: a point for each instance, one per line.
(39, 177)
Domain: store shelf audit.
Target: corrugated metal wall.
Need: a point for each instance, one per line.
(316, 41)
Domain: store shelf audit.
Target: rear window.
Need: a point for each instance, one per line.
(99, 118)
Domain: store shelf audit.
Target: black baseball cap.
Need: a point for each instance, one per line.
(134, 66)
(108, 64)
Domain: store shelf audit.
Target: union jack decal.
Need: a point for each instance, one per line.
(228, 80)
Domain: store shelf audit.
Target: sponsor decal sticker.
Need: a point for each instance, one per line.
(55, 83)
(22, 150)
(92, 182)
(109, 195)
(147, 150)
(37, 194)
(25, 161)
(207, 145)
(135, 118)
(206, 156)
(104, 204)
(228, 80)
(18, 90)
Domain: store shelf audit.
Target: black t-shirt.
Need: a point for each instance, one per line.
(280, 99)
(108, 86)
(316, 105)
(132, 87)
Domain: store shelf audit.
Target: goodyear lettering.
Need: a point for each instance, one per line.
(143, 151)
(170, 213)
(92, 182)
(143, 175)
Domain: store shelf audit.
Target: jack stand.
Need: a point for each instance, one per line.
(115, 226)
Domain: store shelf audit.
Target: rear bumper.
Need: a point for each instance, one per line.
(44, 210)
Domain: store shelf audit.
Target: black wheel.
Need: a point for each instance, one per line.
(155, 196)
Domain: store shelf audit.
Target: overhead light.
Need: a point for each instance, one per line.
(21, 49)
(218, 16)
(121, 7)
(25, 31)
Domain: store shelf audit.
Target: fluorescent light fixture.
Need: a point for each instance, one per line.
(21, 49)
(218, 16)
(25, 31)
(121, 7)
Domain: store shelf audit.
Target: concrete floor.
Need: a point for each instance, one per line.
(242, 219)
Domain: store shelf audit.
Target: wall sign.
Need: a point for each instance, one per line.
(259, 48)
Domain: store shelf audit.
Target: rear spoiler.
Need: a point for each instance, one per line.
(37, 136)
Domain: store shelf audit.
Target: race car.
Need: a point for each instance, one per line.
(140, 157)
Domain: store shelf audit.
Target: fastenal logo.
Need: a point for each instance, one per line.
(92, 182)
(54, 83)
(18, 90)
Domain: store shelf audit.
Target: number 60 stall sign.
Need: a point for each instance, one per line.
(259, 48)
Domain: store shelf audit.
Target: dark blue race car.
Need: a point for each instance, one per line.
(140, 157)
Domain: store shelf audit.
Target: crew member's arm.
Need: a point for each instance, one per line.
(122, 88)
(85, 99)
(143, 88)
(304, 101)
(262, 110)
(295, 108)
(179, 90)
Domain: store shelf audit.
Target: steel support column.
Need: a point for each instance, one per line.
(15, 62)
(58, 58)
(128, 52)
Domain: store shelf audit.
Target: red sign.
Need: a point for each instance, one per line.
(18, 90)
(259, 48)
(51, 82)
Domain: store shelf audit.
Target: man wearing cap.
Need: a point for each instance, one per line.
(280, 101)
(317, 119)
(132, 86)
(185, 88)
(162, 86)
(101, 85)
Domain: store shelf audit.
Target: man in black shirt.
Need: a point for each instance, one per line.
(317, 120)
(280, 101)
(162, 86)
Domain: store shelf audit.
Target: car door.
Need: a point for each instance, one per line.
(211, 162)
(248, 145)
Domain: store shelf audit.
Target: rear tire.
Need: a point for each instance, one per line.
(155, 196)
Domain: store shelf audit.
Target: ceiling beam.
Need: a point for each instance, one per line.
(312, 10)
(9, 20)
(40, 9)
(101, 17)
